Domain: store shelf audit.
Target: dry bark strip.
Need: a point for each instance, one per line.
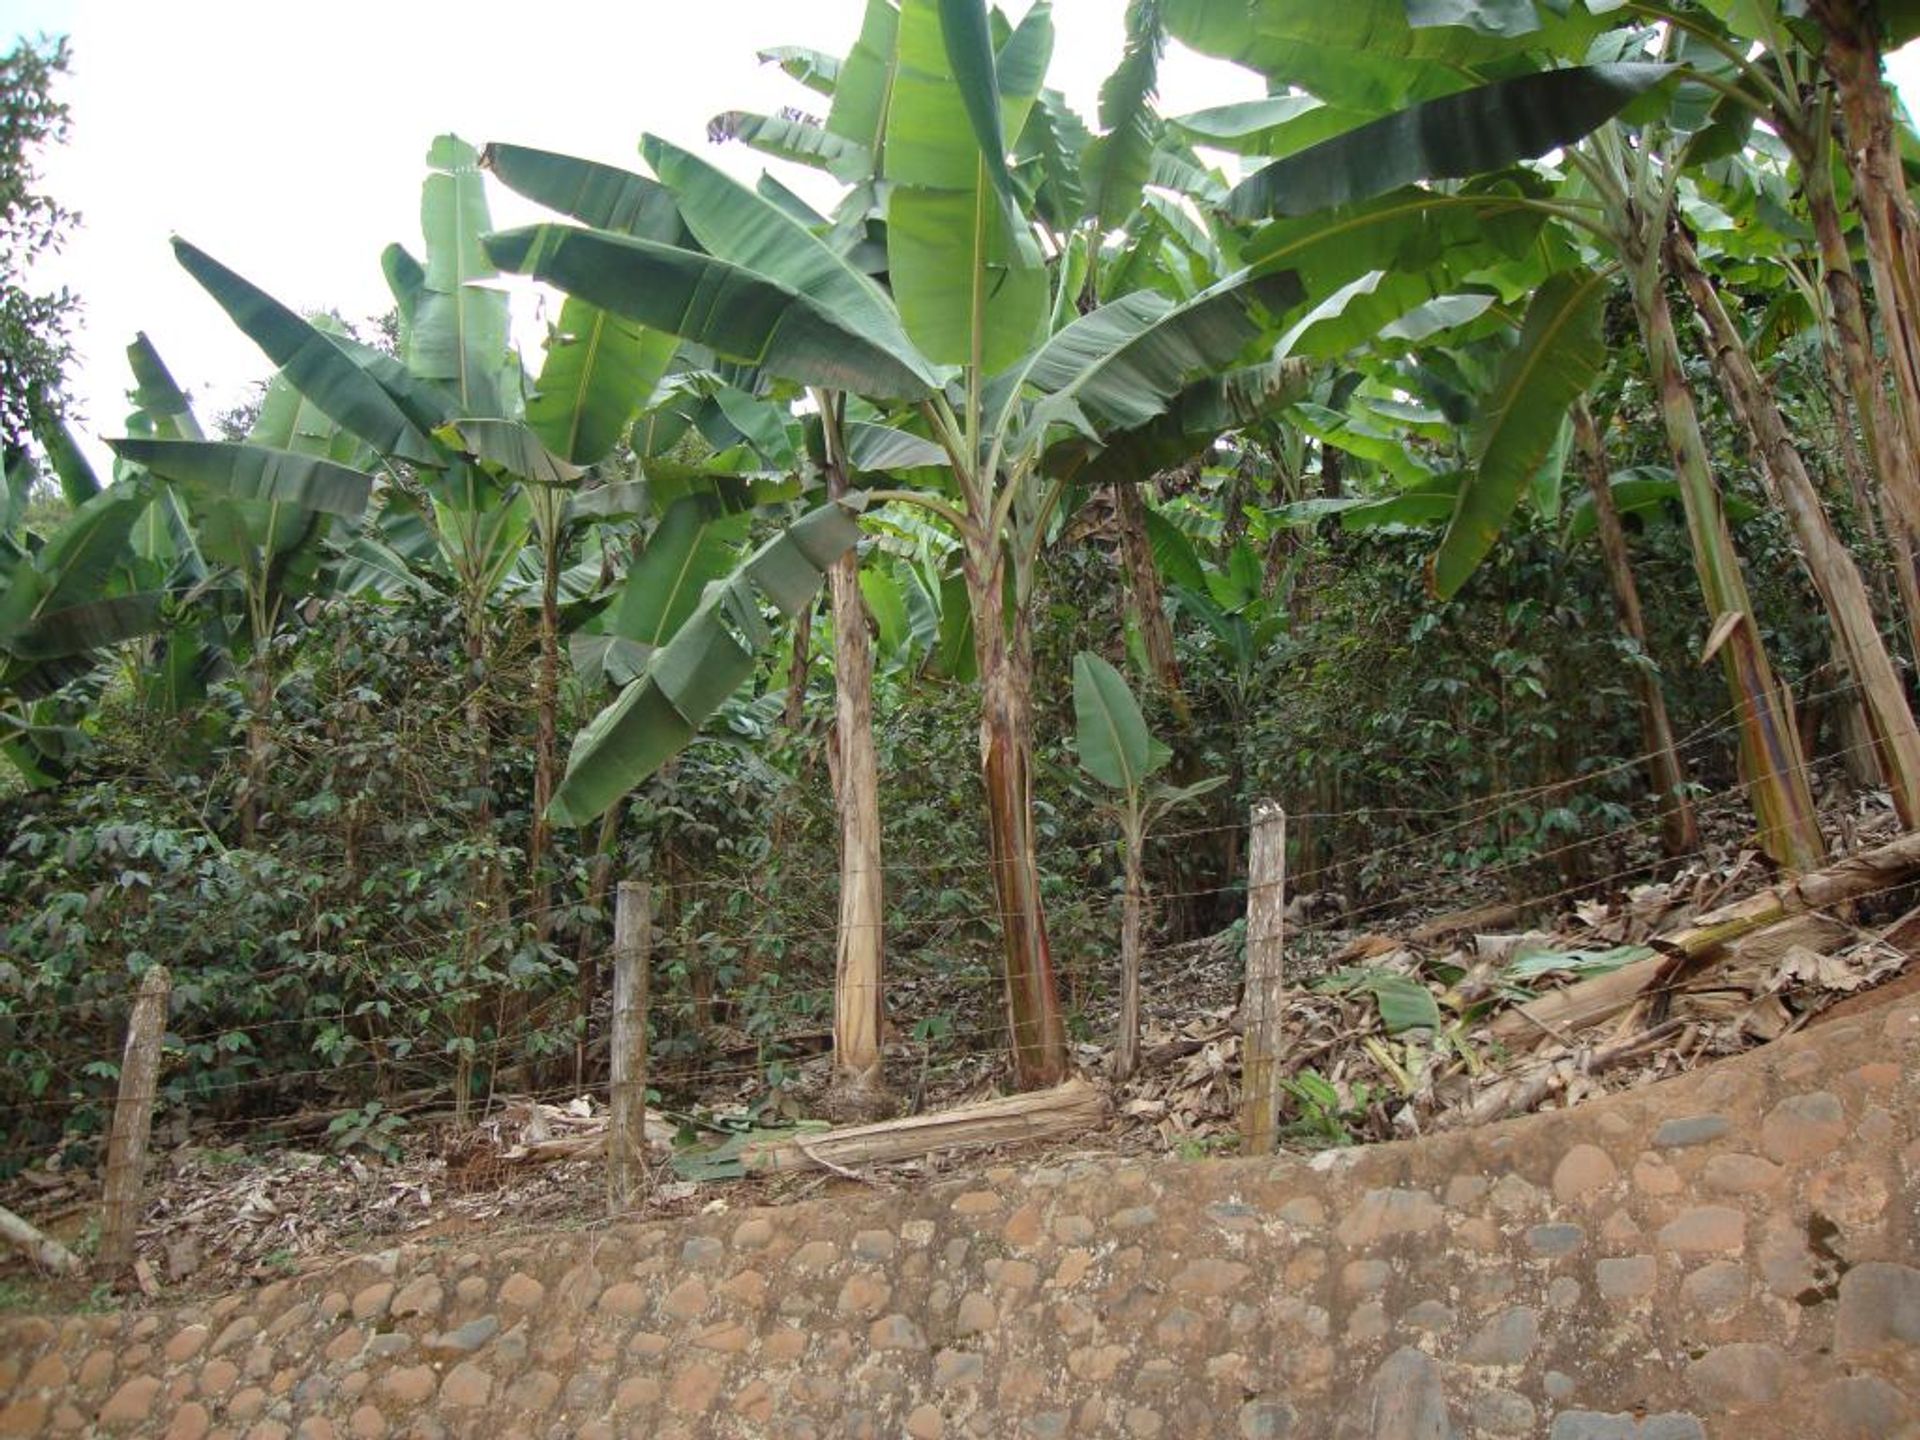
(1562, 1012)
(1064, 1110)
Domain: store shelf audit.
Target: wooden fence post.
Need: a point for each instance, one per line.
(627, 1126)
(132, 1124)
(1264, 1007)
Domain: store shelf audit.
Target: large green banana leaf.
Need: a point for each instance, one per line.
(602, 197)
(1118, 163)
(967, 275)
(696, 543)
(1125, 363)
(253, 473)
(736, 224)
(1468, 133)
(1561, 350)
(67, 599)
(734, 311)
(78, 483)
(815, 69)
(312, 362)
(802, 142)
(1203, 412)
(156, 393)
(1363, 55)
(689, 678)
(863, 87)
(510, 450)
(1111, 736)
(600, 370)
(1275, 126)
(457, 335)
(1450, 235)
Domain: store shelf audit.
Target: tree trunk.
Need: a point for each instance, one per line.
(1852, 57)
(1006, 769)
(1679, 830)
(1126, 1050)
(1143, 590)
(858, 1002)
(795, 709)
(1837, 579)
(1895, 463)
(260, 707)
(1772, 764)
(546, 704)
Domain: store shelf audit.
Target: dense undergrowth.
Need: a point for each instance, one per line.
(376, 940)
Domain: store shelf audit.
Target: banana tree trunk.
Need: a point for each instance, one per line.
(259, 712)
(1829, 565)
(1852, 58)
(1897, 464)
(546, 704)
(1005, 663)
(1143, 590)
(1772, 764)
(1126, 1050)
(858, 1002)
(1679, 830)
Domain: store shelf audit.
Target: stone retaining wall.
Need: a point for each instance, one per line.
(1730, 1254)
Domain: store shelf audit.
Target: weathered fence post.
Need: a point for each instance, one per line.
(1264, 1006)
(132, 1124)
(627, 1126)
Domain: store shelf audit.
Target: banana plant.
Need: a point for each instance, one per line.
(1116, 749)
(978, 337)
(65, 600)
(254, 515)
(1369, 58)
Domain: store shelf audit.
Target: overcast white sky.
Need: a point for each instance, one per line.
(292, 146)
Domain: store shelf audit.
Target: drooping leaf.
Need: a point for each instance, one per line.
(800, 141)
(1470, 133)
(253, 473)
(695, 543)
(602, 197)
(509, 448)
(1560, 352)
(736, 224)
(1125, 363)
(1275, 126)
(734, 311)
(1118, 163)
(689, 678)
(311, 361)
(816, 70)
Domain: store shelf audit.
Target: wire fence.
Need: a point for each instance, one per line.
(961, 1033)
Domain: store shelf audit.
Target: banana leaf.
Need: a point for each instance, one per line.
(253, 473)
(311, 361)
(738, 313)
(1560, 353)
(688, 679)
(1470, 133)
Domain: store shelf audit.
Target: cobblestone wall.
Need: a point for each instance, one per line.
(1731, 1254)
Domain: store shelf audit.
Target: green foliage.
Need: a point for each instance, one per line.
(34, 348)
